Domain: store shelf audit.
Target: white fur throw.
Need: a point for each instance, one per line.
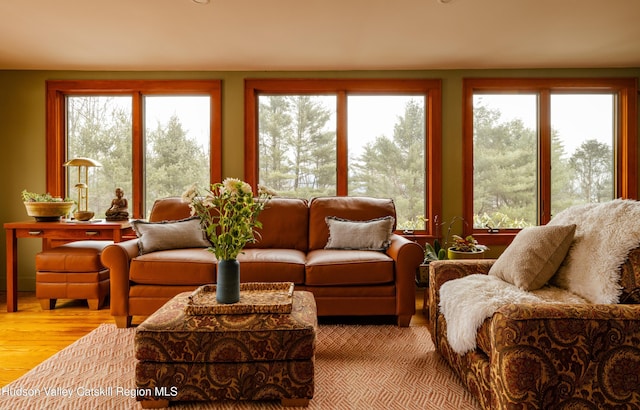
(468, 301)
(605, 233)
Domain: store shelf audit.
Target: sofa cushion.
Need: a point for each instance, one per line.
(285, 225)
(158, 236)
(348, 267)
(534, 255)
(371, 235)
(272, 265)
(172, 208)
(174, 267)
(352, 208)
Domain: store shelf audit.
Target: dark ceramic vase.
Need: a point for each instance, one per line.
(228, 286)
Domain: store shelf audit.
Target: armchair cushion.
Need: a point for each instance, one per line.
(534, 256)
(158, 236)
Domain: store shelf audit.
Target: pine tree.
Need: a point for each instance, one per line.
(173, 161)
(504, 167)
(593, 166)
(395, 167)
(100, 128)
(275, 129)
(297, 146)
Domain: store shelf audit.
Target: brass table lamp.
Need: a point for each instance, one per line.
(82, 185)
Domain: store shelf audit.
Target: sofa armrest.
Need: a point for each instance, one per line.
(563, 352)
(407, 256)
(446, 270)
(117, 257)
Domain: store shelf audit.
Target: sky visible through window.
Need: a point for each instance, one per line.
(576, 117)
(193, 112)
(373, 116)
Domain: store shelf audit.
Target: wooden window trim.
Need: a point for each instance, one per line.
(627, 144)
(57, 90)
(431, 88)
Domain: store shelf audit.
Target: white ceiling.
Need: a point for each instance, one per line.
(318, 34)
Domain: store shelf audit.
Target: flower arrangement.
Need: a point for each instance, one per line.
(228, 213)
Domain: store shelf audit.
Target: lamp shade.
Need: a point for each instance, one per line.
(82, 162)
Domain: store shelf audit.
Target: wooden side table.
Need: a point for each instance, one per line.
(50, 232)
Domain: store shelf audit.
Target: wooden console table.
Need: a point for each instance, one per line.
(51, 232)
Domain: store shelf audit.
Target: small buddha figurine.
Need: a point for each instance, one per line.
(119, 207)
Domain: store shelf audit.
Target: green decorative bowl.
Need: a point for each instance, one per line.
(48, 211)
(451, 254)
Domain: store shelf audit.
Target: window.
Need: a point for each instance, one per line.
(534, 147)
(379, 138)
(152, 138)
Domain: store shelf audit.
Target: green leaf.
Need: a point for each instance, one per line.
(442, 254)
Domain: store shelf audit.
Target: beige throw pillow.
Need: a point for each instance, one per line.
(372, 235)
(158, 236)
(534, 256)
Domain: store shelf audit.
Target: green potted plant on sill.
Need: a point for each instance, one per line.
(465, 248)
(460, 248)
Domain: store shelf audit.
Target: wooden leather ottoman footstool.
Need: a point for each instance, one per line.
(72, 271)
(257, 356)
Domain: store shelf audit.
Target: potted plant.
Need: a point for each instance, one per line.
(431, 253)
(460, 248)
(45, 207)
(465, 248)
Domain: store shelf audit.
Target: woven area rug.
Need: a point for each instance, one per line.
(357, 367)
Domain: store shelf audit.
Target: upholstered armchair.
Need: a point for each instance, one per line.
(535, 352)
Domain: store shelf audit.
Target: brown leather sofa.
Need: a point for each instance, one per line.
(290, 249)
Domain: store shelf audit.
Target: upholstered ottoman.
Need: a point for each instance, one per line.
(257, 356)
(72, 271)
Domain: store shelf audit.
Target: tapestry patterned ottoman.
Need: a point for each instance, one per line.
(257, 356)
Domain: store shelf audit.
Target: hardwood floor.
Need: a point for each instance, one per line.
(31, 335)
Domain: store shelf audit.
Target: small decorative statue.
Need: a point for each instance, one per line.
(119, 207)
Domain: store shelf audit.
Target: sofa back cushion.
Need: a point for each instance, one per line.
(344, 207)
(159, 236)
(169, 209)
(285, 225)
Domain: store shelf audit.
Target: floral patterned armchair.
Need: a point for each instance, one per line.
(548, 356)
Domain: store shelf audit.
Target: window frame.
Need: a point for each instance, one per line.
(58, 90)
(341, 88)
(625, 147)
